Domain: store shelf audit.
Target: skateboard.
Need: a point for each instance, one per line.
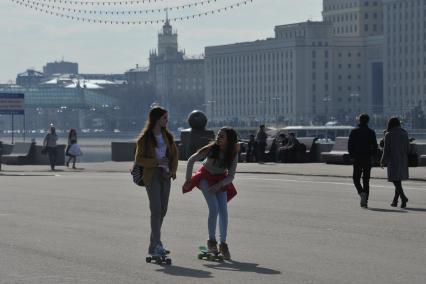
(159, 259)
(204, 253)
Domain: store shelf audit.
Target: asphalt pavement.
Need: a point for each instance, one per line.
(288, 224)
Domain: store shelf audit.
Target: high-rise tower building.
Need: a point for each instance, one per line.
(354, 17)
(178, 80)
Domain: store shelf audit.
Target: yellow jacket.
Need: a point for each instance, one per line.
(145, 157)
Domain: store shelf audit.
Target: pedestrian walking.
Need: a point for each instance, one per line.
(157, 153)
(362, 146)
(214, 179)
(73, 150)
(395, 157)
(261, 138)
(49, 143)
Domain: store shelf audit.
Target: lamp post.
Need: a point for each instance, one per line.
(263, 101)
(354, 96)
(276, 101)
(210, 103)
(326, 101)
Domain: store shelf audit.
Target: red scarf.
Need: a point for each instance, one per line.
(202, 173)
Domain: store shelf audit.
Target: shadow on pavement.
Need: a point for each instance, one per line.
(387, 210)
(242, 266)
(415, 209)
(183, 271)
(26, 175)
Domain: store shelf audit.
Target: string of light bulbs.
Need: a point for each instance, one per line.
(74, 10)
(131, 22)
(103, 3)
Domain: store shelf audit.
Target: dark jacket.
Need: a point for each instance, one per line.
(362, 142)
(395, 154)
(261, 137)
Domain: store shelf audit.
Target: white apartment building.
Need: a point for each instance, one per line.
(404, 56)
(309, 72)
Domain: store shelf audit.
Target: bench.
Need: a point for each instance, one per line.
(422, 160)
(22, 153)
(1, 152)
(339, 154)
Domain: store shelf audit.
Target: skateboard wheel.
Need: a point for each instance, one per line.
(220, 258)
(209, 257)
(148, 259)
(168, 261)
(200, 256)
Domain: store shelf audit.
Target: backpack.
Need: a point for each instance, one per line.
(137, 174)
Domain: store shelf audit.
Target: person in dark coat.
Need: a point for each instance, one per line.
(362, 146)
(289, 151)
(251, 149)
(261, 138)
(49, 143)
(395, 156)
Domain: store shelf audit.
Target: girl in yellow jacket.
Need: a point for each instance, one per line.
(157, 153)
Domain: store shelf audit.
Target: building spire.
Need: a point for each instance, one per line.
(167, 15)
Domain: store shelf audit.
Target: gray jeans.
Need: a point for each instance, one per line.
(158, 194)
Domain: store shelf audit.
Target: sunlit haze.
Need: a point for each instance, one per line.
(30, 39)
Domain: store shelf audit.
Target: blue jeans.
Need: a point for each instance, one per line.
(217, 203)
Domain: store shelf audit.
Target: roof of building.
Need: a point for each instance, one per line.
(31, 72)
(139, 69)
(74, 82)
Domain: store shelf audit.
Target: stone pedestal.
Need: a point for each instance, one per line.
(195, 137)
(192, 140)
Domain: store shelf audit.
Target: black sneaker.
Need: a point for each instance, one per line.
(363, 202)
(404, 203)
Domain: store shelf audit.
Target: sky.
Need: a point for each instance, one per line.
(30, 38)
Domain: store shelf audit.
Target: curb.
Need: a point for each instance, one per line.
(320, 175)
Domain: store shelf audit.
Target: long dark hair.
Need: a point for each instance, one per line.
(72, 130)
(393, 122)
(231, 147)
(154, 115)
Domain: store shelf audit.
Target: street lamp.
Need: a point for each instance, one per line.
(354, 96)
(326, 101)
(263, 101)
(276, 101)
(210, 103)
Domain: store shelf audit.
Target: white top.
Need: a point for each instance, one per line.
(160, 150)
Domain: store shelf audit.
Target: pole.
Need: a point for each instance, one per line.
(13, 128)
(264, 114)
(25, 128)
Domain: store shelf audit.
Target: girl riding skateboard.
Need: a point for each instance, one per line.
(156, 152)
(214, 179)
